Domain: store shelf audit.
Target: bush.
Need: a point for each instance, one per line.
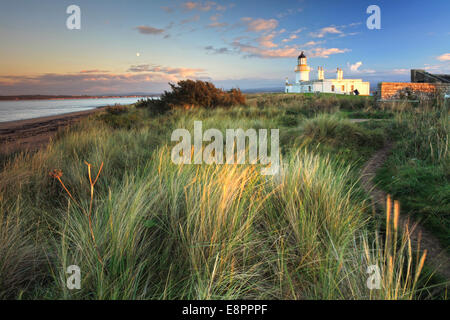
(155, 106)
(190, 94)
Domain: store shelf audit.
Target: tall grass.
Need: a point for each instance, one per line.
(162, 231)
(425, 133)
(221, 232)
(418, 170)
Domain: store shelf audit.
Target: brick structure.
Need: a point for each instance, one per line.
(422, 85)
(391, 90)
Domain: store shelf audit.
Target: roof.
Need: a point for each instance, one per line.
(302, 55)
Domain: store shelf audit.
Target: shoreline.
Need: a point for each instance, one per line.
(31, 134)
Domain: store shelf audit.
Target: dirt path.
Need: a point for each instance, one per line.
(437, 257)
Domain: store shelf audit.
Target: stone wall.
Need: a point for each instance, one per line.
(392, 90)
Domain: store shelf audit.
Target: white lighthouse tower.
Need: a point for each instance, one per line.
(302, 69)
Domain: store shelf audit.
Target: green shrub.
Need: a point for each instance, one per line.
(154, 105)
(192, 94)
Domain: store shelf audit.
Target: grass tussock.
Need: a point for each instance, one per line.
(335, 131)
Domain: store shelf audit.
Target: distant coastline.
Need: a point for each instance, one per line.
(68, 97)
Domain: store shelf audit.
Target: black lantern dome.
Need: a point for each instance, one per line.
(302, 55)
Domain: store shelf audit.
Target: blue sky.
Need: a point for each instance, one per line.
(139, 46)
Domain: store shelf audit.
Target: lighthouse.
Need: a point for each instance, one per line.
(302, 69)
(339, 85)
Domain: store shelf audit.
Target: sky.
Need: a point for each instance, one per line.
(138, 46)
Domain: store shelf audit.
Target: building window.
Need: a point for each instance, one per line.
(332, 88)
(343, 88)
(309, 88)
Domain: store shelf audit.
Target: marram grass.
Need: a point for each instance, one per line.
(150, 229)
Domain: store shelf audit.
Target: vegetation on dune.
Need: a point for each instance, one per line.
(189, 94)
(150, 229)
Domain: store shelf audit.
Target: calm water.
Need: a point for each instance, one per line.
(28, 109)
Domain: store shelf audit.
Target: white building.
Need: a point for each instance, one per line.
(339, 85)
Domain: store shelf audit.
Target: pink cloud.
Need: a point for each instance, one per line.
(291, 37)
(149, 30)
(137, 78)
(322, 32)
(267, 41)
(325, 52)
(258, 25)
(444, 57)
(190, 5)
(205, 6)
(254, 51)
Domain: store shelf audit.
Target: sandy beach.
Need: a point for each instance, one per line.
(31, 134)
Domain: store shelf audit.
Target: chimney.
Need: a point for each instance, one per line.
(340, 74)
(320, 73)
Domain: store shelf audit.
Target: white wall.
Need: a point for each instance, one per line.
(326, 86)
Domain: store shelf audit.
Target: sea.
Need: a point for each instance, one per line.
(30, 109)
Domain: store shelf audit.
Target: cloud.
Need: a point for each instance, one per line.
(181, 72)
(288, 12)
(444, 57)
(93, 71)
(400, 71)
(354, 67)
(432, 67)
(205, 6)
(189, 20)
(217, 25)
(267, 41)
(136, 78)
(253, 51)
(259, 25)
(311, 43)
(149, 30)
(215, 17)
(291, 37)
(322, 32)
(168, 9)
(190, 5)
(325, 52)
(223, 50)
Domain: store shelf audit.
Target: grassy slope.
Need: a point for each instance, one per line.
(196, 232)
